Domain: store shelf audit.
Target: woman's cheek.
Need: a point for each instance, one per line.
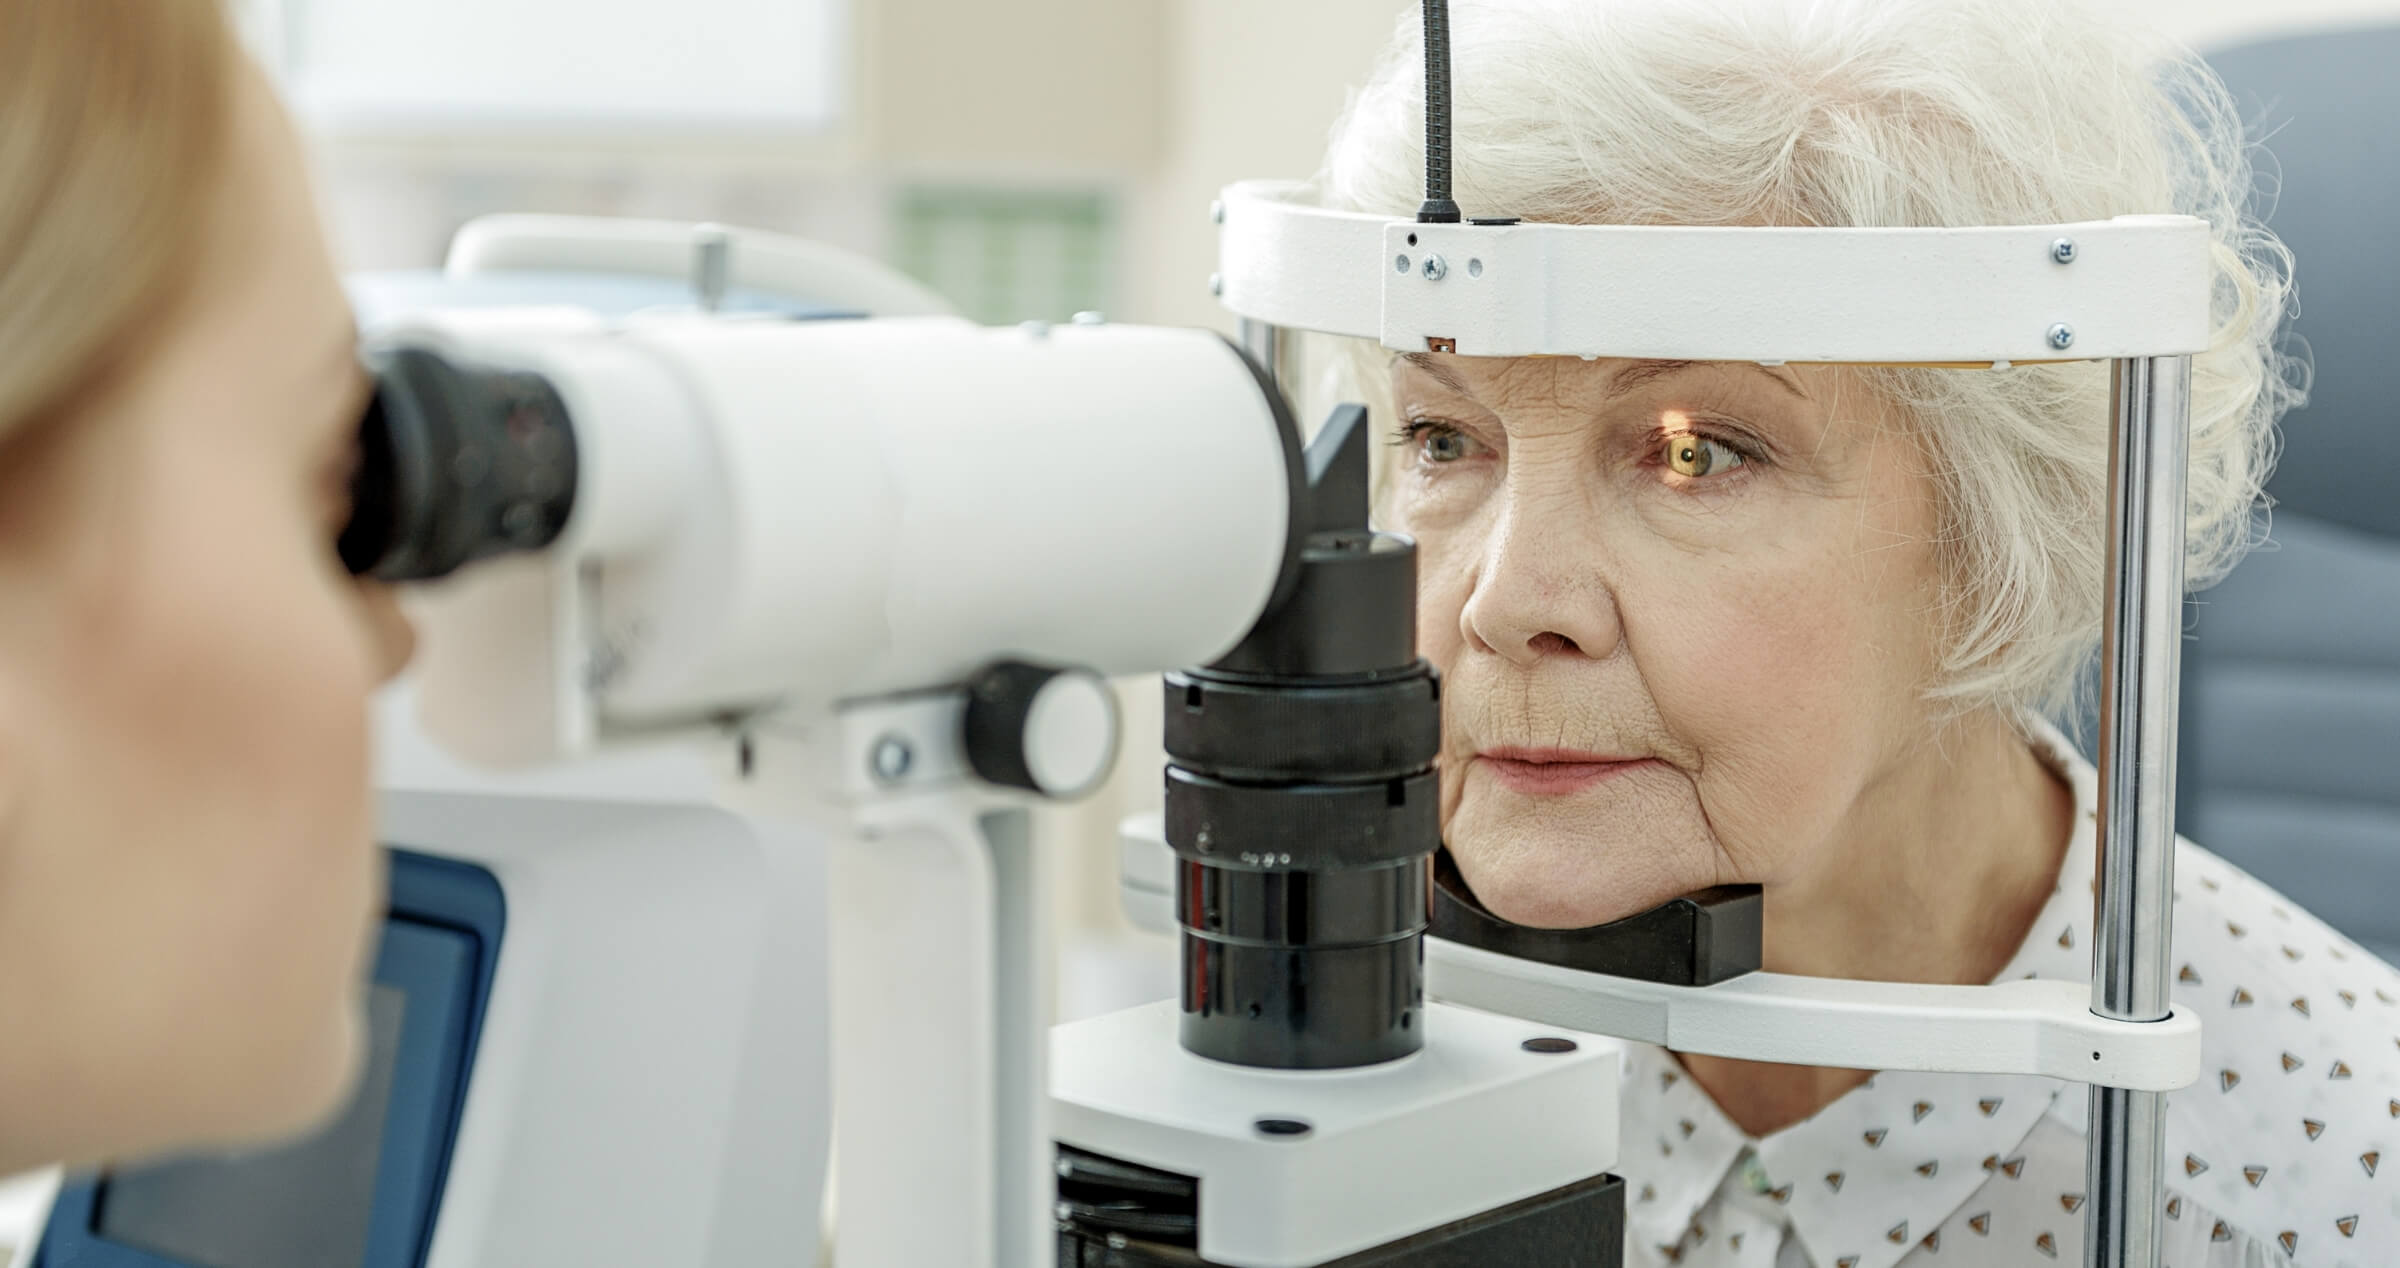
(1753, 667)
(1702, 518)
(1445, 576)
(1436, 495)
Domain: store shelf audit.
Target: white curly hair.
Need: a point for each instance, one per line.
(1886, 113)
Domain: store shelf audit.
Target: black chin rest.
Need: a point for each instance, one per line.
(1699, 939)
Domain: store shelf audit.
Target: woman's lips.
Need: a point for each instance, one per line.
(1553, 772)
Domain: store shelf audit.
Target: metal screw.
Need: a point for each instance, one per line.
(892, 759)
(1216, 211)
(1205, 842)
(1090, 317)
(1116, 1241)
(1400, 264)
(1436, 268)
(2062, 336)
(1037, 329)
(2063, 250)
(1216, 284)
(1063, 1212)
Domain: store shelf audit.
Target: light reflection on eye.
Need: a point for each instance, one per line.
(1695, 456)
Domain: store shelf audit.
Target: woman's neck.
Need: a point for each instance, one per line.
(1938, 873)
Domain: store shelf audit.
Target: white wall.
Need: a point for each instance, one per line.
(1253, 88)
(2210, 23)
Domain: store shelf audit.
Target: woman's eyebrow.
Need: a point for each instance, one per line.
(1635, 375)
(1438, 372)
(1641, 373)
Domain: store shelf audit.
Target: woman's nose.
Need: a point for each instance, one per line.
(1535, 598)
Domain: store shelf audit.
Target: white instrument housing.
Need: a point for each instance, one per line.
(2132, 286)
(775, 514)
(2037, 1027)
(709, 256)
(650, 1071)
(1473, 1122)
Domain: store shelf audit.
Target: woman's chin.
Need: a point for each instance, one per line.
(1526, 880)
(1541, 897)
(1536, 908)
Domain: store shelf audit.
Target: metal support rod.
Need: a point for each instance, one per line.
(1266, 344)
(2141, 651)
(1438, 207)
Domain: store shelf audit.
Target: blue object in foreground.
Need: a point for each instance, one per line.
(363, 1192)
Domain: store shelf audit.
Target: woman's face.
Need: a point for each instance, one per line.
(187, 874)
(1684, 614)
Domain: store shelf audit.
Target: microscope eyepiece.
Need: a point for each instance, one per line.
(456, 463)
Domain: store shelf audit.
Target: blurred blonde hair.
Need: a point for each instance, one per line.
(1887, 113)
(114, 119)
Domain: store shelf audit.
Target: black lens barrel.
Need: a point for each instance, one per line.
(1302, 865)
(1302, 802)
(456, 463)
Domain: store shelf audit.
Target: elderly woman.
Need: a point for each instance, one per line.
(1799, 626)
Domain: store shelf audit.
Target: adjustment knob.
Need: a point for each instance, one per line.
(1050, 731)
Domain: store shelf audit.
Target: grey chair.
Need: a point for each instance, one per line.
(2291, 716)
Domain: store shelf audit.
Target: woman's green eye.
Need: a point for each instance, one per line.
(1441, 444)
(1695, 456)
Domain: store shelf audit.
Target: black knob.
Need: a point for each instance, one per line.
(1045, 730)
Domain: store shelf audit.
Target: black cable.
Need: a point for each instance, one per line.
(1438, 208)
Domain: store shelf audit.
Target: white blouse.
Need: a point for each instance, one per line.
(2276, 1157)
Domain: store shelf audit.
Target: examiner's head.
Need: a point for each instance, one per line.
(1711, 623)
(187, 877)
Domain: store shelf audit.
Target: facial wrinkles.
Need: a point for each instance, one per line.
(1593, 707)
(1561, 508)
(1764, 632)
(1547, 522)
